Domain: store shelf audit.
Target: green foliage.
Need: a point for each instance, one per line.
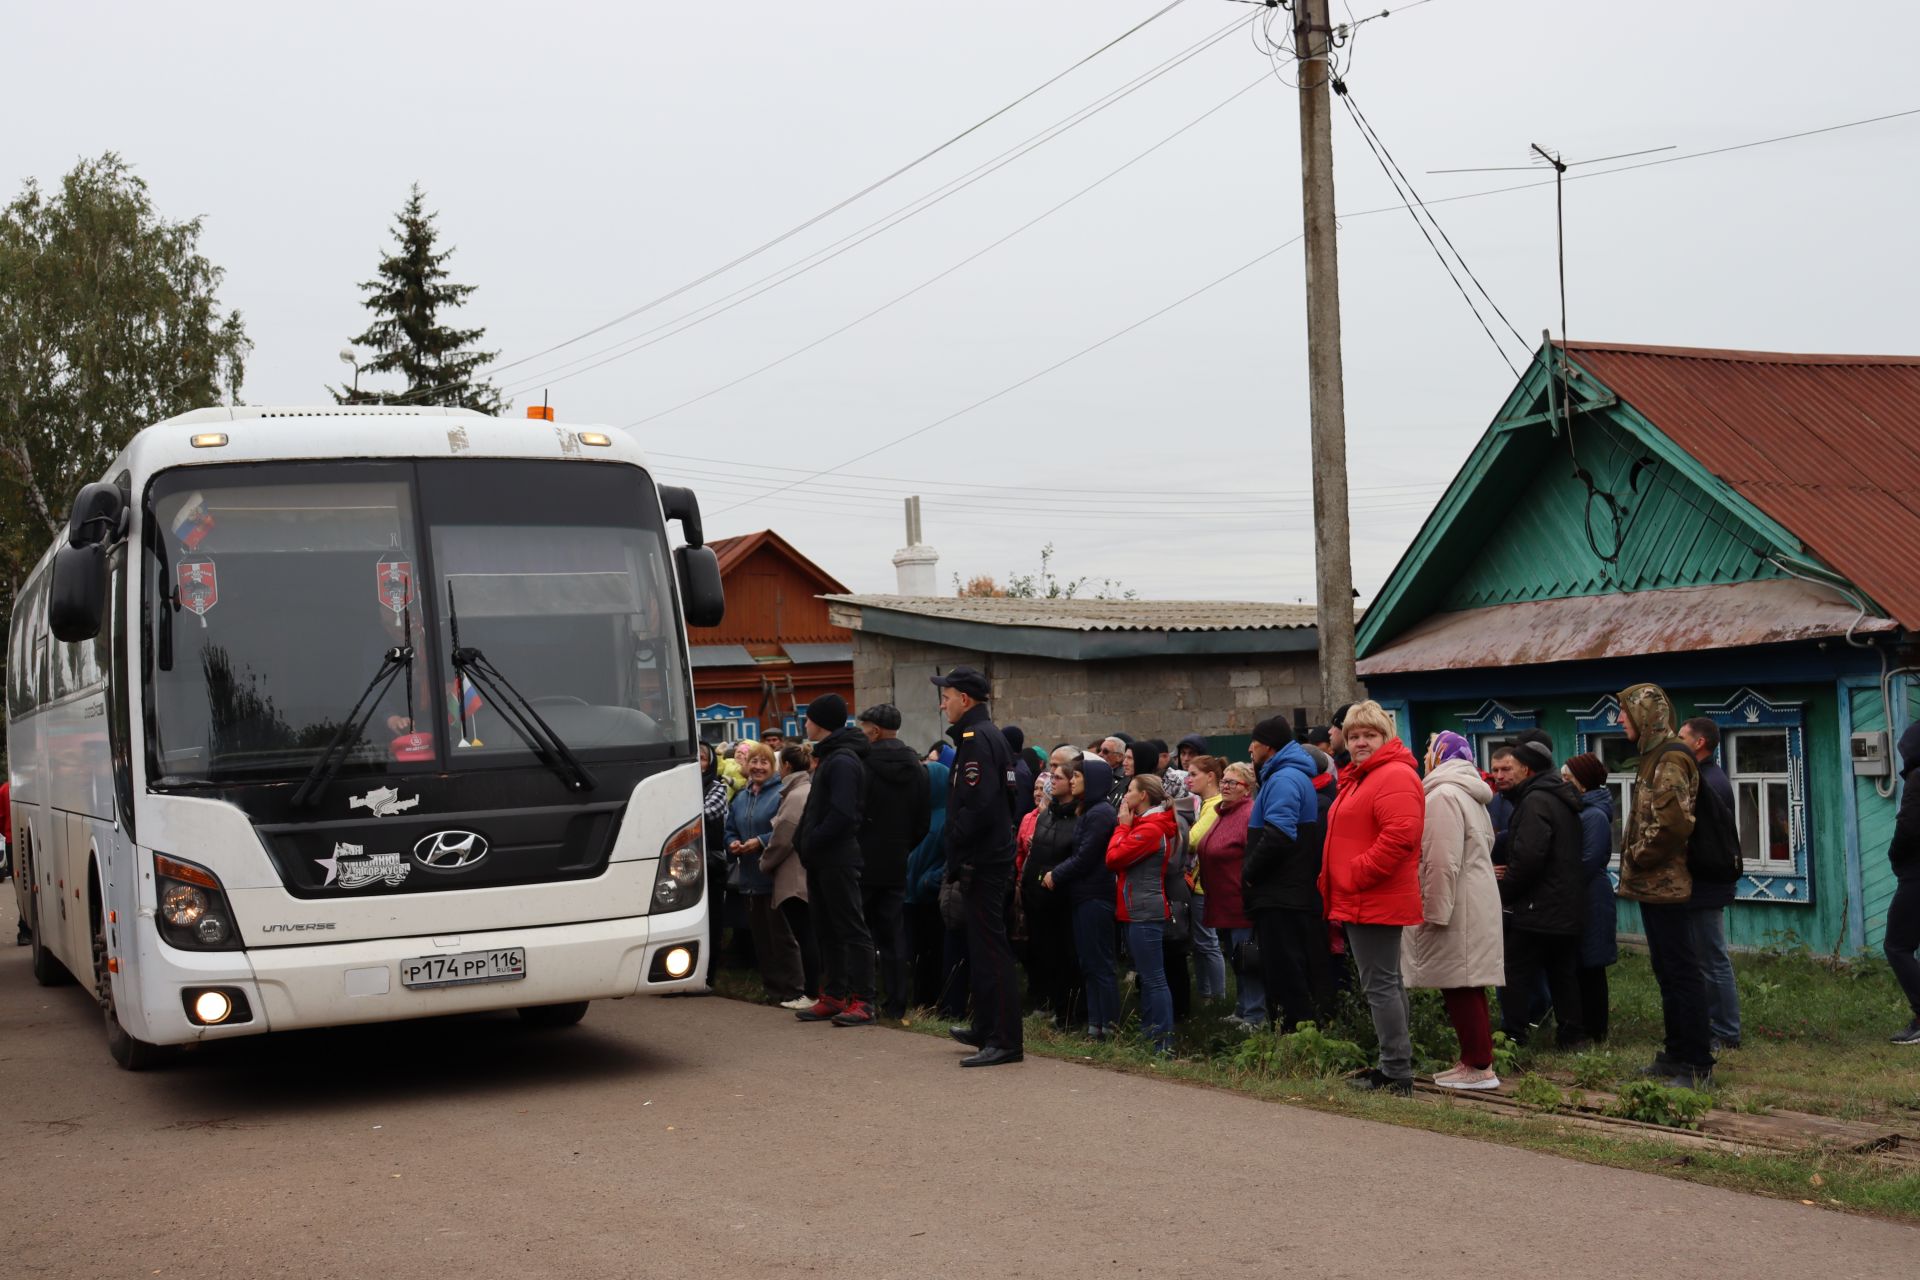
(108, 322)
(407, 298)
(1538, 1092)
(1307, 1052)
(1651, 1102)
(1044, 585)
(1595, 1069)
(1508, 1054)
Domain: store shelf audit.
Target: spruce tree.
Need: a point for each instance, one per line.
(438, 362)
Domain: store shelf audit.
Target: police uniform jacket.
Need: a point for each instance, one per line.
(981, 799)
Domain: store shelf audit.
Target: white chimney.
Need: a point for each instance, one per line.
(916, 565)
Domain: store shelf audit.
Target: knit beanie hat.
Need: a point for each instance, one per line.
(1533, 755)
(829, 711)
(1273, 732)
(1588, 771)
(1016, 737)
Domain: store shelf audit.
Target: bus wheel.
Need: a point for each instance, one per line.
(47, 970)
(134, 1055)
(549, 1016)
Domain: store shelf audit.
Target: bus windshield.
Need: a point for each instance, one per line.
(294, 606)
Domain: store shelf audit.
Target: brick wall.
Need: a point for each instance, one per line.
(1056, 701)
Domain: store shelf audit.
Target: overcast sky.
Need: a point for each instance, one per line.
(586, 159)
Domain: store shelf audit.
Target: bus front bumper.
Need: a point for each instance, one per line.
(340, 984)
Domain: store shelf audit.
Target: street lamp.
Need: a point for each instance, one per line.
(346, 358)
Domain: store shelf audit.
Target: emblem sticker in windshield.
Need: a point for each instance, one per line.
(383, 802)
(394, 581)
(351, 867)
(199, 587)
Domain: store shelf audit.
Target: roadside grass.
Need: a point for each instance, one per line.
(1814, 1039)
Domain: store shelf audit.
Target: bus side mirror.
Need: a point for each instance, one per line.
(702, 598)
(681, 504)
(77, 597)
(99, 516)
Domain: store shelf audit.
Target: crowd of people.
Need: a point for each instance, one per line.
(875, 879)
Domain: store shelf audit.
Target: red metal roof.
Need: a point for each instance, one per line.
(732, 551)
(1826, 445)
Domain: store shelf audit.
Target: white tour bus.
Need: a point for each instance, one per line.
(340, 715)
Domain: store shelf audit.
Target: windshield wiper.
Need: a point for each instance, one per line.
(397, 659)
(539, 735)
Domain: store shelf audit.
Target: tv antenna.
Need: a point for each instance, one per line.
(1560, 206)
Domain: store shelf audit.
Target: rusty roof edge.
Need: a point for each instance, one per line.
(1673, 620)
(1740, 356)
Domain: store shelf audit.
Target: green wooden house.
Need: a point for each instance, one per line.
(1742, 528)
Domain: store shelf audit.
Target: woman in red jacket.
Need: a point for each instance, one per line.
(1143, 843)
(1370, 878)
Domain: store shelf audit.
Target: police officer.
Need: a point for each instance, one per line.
(980, 847)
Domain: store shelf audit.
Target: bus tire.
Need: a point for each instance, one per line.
(131, 1053)
(553, 1016)
(47, 969)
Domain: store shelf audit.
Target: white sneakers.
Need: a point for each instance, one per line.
(797, 1003)
(1463, 1076)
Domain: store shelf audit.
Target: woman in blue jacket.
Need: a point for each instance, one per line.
(926, 866)
(1090, 886)
(749, 834)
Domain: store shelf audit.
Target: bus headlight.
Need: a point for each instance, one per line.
(683, 868)
(193, 913)
(182, 905)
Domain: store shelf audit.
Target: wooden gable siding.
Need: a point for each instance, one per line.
(1672, 534)
(771, 601)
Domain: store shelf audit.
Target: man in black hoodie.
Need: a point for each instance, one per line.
(1542, 888)
(980, 849)
(828, 843)
(898, 812)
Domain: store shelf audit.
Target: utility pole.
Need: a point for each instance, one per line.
(1333, 552)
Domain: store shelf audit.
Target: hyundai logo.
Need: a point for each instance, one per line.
(450, 850)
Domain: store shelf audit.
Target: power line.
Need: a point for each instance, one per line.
(1648, 164)
(835, 208)
(1033, 377)
(1013, 506)
(879, 226)
(897, 299)
(724, 469)
(1404, 188)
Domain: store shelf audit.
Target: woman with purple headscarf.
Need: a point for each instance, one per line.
(1457, 947)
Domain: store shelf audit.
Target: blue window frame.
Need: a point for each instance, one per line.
(1763, 749)
(1495, 724)
(722, 723)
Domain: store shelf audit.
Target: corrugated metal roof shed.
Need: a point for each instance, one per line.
(1096, 615)
(1631, 625)
(1827, 445)
(719, 655)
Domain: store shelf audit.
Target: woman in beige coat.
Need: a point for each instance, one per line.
(789, 878)
(1457, 949)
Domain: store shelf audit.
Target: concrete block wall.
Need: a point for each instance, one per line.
(1057, 701)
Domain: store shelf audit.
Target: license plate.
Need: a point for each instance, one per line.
(508, 964)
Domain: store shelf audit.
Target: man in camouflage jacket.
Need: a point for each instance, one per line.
(1653, 873)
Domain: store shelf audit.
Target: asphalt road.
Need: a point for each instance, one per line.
(690, 1138)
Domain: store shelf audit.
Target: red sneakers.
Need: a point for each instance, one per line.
(825, 1009)
(858, 1013)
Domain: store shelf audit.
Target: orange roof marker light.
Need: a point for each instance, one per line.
(544, 412)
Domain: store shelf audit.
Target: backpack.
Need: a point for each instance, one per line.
(1713, 850)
